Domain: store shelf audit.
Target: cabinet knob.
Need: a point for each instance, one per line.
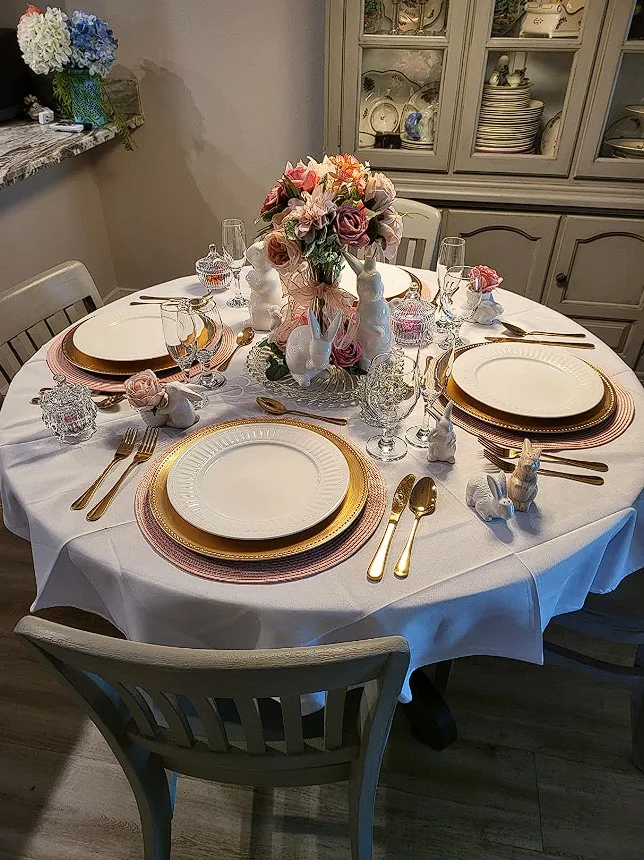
(562, 280)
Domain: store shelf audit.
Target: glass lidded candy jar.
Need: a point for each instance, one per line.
(412, 319)
(213, 270)
(69, 411)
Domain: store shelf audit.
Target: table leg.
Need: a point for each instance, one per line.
(429, 716)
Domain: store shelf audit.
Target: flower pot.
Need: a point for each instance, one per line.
(86, 98)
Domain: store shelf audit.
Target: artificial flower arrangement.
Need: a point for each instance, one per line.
(317, 211)
(488, 309)
(78, 51)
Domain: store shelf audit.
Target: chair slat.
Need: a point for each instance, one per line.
(139, 708)
(248, 710)
(334, 718)
(401, 254)
(22, 348)
(177, 721)
(58, 322)
(9, 361)
(75, 312)
(419, 253)
(39, 334)
(213, 726)
(292, 717)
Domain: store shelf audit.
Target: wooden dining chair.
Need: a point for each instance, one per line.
(421, 228)
(35, 310)
(614, 617)
(167, 709)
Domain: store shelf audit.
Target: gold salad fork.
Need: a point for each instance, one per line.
(125, 448)
(146, 449)
(546, 456)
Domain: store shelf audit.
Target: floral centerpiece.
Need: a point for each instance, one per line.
(78, 51)
(317, 211)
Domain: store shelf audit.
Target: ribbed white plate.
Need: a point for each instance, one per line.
(258, 482)
(394, 280)
(132, 333)
(528, 379)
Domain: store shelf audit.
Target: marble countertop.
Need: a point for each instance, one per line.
(27, 147)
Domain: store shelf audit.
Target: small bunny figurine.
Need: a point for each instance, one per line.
(522, 486)
(488, 495)
(308, 351)
(442, 439)
(265, 288)
(374, 328)
(179, 409)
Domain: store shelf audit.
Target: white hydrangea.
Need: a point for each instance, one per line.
(44, 41)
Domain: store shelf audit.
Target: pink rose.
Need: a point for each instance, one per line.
(303, 178)
(488, 278)
(351, 224)
(380, 192)
(275, 199)
(390, 230)
(345, 349)
(280, 334)
(143, 390)
(283, 253)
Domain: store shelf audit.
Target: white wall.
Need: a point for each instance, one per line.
(230, 91)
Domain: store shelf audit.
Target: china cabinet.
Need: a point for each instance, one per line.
(523, 121)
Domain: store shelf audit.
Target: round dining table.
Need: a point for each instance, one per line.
(474, 587)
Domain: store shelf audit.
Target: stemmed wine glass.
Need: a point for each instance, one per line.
(463, 289)
(431, 389)
(392, 387)
(233, 240)
(210, 332)
(180, 335)
(450, 253)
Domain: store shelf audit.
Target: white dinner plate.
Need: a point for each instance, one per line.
(131, 333)
(394, 280)
(258, 481)
(528, 379)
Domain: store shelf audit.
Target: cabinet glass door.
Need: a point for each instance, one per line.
(527, 75)
(399, 80)
(613, 139)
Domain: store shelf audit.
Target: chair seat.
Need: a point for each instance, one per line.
(617, 615)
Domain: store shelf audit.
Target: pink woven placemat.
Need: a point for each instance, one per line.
(610, 429)
(266, 572)
(59, 363)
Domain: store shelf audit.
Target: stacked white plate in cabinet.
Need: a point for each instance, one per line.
(509, 120)
(258, 481)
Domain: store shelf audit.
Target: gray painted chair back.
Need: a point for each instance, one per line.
(163, 708)
(614, 617)
(35, 310)
(421, 228)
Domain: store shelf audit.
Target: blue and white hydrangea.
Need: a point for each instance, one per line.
(93, 44)
(44, 40)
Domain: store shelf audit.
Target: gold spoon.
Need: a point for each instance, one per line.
(274, 407)
(244, 337)
(422, 503)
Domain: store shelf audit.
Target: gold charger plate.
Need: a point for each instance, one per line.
(239, 550)
(507, 421)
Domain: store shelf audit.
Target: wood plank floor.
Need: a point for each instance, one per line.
(541, 770)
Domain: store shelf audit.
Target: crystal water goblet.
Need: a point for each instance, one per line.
(233, 240)
(392, 388)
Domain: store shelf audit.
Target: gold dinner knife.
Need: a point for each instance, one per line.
(566, 343)
(376, 569)
(422, 503)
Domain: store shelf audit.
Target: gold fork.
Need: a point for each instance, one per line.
(125, 448)
(146, 449)
(582, 479)
(546, 456)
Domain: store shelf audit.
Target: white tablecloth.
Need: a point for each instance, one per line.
(475, 588)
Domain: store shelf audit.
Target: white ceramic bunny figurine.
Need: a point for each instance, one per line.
(179, 410)
(488, 495)
(522, 486)
(308, 351)
(374, 317)
(265, 288)
(488, 309)
(442, 439)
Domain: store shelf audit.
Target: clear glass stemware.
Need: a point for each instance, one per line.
(463, 296)
(430, 390)
(392, 387)
(233, 240)
(210, 332)
(450, 253)
(180, 336)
